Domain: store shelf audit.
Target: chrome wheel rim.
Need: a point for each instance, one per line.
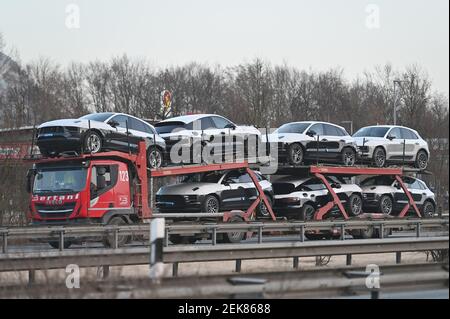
(423, 162)
(94, 143)
(297, 154)
(155, 159)
(349, 158)
(212, 206)
(386, 206)
(380, 158)
(309, 213)
(356, 205)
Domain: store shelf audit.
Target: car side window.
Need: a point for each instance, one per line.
(318, 128)
(331, 130)
(245, 178)
(207, 123)
(395, 132)
(220, 122)
(122, 120)
(408, 134)
(137, 125)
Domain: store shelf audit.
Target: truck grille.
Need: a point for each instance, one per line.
(60, 211)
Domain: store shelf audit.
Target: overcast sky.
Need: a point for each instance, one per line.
(315, 34)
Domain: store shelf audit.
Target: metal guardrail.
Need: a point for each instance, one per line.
(61, 233)
(312, 283)
(205, 253)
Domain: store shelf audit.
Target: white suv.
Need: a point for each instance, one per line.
(387, 144)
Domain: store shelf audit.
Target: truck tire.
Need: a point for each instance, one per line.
(55, 244)
(108, 240)
(234, 237)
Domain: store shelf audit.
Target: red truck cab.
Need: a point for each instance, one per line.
(88, 189)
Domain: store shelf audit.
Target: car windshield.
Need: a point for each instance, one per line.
(56, 180)
(169, 127)
(293, 128)
(378, 181)
(372, 131)
(99, 117)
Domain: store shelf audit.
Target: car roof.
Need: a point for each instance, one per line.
(292, 179)
(188, 118)
(316, 122)
(111, 114)
(391, 126)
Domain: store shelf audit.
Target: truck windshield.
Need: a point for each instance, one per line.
(57, 180)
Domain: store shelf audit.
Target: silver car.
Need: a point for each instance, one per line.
(213, 192)
(310, 141)
(383, 194)
(301, 197)
(214, 131)
(387, 144)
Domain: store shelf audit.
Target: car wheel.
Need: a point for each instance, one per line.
(211, 205)
(92, 142)
(421, 160)
(308, 212)
(428, 209)
(348, 156)
(154, 158)
(386, 205)
(109, 240)
(295, 154)
(355, 204)
(262, 210)
(379, 157)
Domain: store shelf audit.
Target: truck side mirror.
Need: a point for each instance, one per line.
(30, 175)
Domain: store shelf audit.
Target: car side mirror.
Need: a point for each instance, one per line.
(113, 123)
(311, 133)
(336, 185)
(397, 186)
(231, 126)
(226, 183)
(390, 137)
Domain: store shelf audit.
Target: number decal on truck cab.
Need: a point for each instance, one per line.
(123, 176)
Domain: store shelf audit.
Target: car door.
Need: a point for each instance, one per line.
(117, 137)
(232, 197)
(227, 132)
(414, 188)
(332, 140)
(411, 143)
(394, 144)
(316, 147)
(211, 134)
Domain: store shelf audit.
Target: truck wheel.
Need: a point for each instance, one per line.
(154, 158)
(178, 240)
(386, 205)
(211, 205)
(363, 233)
(234, 237)
(355, 204)
(428, 209)
(348, 156)
(379, 157)
(421, 160)
(295, 154)
(55, 244)
(262, 210)
(108, 240)
(92, 142)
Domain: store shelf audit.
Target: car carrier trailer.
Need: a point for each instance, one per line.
(117, 188)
